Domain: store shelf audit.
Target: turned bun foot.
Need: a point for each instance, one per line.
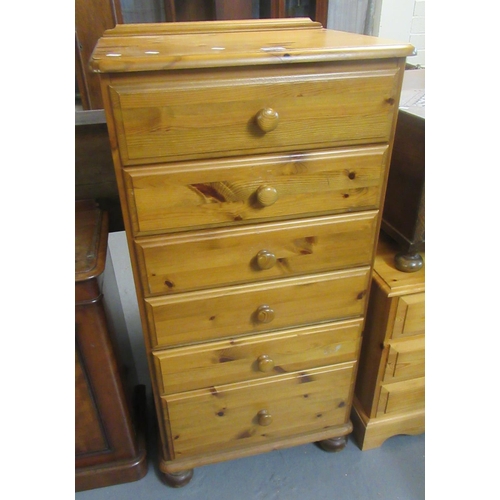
(178, 479)
(333, 445)
(408, 262)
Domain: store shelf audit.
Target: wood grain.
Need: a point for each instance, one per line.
(230, 256)
(406, 359)
(390, 386)
(225, 417)
(399, 397)
(146, 47)
(187, 368)
(247, 356)
(223, 193)
(203, 118)
(410, 316)
(230, 311)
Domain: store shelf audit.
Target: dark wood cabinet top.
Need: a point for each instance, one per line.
(91, 230)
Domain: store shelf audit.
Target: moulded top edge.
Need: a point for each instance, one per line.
(156, 47)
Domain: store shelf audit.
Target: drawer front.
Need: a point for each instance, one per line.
(255, 253)
(410, 316)
(244, 309)
(403, 396)
(256, 356)
(181, 120)
(406, 359)
(238, 191)
(237, 415)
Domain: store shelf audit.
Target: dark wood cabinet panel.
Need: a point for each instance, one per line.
(92, 18)
(109, 435)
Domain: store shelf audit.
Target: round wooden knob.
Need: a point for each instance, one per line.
(267, 195)
(265, 259)
(265, 363)
(264, 314)
(267, 119)
(264, 417)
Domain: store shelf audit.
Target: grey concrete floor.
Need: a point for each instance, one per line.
(395, 471)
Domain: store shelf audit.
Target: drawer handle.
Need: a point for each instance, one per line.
(267, 195)
(264, 314)
(265, 259)
(264, 417)
(267, 119)
(265, 363)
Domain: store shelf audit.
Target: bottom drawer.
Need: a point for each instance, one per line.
(402, 396)
(246, 413)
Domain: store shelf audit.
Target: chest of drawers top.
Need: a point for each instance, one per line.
(131, 48)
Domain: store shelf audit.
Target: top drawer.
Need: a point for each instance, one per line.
(192, 117)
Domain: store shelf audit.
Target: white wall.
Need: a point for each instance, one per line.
(404, 20)
(348, 15)
(122, 309)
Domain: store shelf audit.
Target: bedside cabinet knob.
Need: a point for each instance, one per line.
(267, 119)
(264, 314)
(266, 195)
(265, 259)
(265, 363)
(264, 417)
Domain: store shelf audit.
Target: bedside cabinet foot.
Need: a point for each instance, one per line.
(333, 445)
(178, 479)
(408, 262)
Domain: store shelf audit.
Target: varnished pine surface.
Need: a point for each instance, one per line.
(231, 256)
(238, 359)
(182, 112)
(226, 312)
(406, 359)
(227, 416)
(390, 386)
(245, 451)
(186, 116)
(393, 281)
(193, 195)
(189, 45)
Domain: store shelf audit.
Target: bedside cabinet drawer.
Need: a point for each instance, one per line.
(257, 356)
(410, 316)
(184, 196)
(190, 119)
(255, 253)
(243, 309)
(406, 360)
(234, 415)
(402, 396)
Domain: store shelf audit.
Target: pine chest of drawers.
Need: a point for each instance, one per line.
(251, 159)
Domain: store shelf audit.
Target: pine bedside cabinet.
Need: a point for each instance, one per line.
(390, 387)
(251, 159)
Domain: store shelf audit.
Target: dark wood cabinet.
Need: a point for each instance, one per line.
(109, 420)
(404, 210)
(92, 18)
(201, 10)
